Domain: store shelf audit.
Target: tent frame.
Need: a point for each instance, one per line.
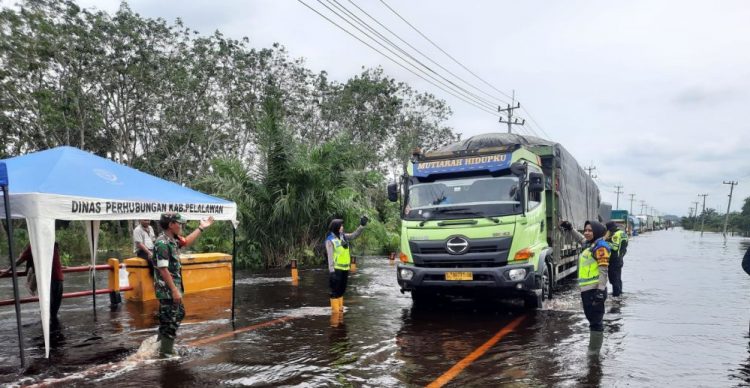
(9, 229)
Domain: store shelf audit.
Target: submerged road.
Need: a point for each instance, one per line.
(683, 321)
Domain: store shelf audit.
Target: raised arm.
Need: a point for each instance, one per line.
(355, 234)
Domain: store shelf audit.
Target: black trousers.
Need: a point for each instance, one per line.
(615, 275)
(56, 292)
(594, 310)
(337, 281)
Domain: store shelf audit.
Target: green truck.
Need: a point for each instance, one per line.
(479, 217)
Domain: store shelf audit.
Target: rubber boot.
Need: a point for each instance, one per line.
(166, 347)
(596, 338)
(335, 312)
(341, 304)
(334, 305)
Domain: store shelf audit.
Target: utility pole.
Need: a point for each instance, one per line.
(632, 198)
(618, 192)
(510, 108)
(726, 216)
(643, 206)
(703, 212)
(590, 170)
(690, 212)
(695, 203)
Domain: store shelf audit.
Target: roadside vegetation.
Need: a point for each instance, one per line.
(253, 125)
(738, 224)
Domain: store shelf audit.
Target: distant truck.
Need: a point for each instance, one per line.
(620, 217)
(480, 217)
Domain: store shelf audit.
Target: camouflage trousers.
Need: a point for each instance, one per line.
(170, 316)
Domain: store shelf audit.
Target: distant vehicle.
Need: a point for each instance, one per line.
(480, 217)
(605, 212)
(620, 217)
(635, 223)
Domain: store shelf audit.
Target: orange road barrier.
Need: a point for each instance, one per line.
(295, 272)
(478, 352)
(219, 337)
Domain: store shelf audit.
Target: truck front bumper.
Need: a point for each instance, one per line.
(497, 278)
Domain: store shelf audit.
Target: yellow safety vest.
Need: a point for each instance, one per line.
(588, 266)
(617, 239)
(588, 269)
(341, 258)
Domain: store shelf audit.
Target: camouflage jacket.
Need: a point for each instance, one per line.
(167, 255)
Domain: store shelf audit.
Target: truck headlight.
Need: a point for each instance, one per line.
(406, 274)
(517, 274)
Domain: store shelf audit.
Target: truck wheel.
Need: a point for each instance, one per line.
(535, 301)
(548, 281)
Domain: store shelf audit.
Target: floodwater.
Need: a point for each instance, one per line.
(683, 321)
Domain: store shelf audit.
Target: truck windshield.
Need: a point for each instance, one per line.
(463, 198)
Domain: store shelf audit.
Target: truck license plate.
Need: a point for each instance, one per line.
(459, 276)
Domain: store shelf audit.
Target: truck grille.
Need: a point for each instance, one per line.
(482, 253)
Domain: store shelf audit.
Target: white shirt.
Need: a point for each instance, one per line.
(143, 236)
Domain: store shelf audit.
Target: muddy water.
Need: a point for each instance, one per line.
(683, 321)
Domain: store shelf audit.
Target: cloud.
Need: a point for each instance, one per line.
(700, 96)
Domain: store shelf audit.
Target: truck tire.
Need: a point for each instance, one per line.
(534, 301)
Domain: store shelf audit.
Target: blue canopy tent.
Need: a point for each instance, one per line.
(65, 183)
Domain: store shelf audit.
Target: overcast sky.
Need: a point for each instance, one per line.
(654, 94)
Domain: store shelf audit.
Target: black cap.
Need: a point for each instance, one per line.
(611, 226)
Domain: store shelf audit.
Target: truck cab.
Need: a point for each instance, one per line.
(474, 223)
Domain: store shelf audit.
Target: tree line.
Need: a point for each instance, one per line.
(291, 146)
(738, 222)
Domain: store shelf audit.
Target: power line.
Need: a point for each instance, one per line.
(352, 16)
(443, 51)
(397, 62)
(450, 56)
(424, 55)
(464, 94)
(531, 118)
(359, 21)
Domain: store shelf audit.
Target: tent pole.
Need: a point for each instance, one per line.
(9, 229)
(93, 268)
(234, 265)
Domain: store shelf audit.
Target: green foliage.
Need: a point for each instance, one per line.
(292, 147)
(739, 222)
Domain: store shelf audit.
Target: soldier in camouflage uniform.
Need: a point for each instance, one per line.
(168, 276)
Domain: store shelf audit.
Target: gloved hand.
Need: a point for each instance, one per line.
(364, 220)
(566, 226)
(600, 296)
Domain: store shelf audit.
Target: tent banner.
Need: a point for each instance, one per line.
(63, 207)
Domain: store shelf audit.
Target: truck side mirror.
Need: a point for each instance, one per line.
(536, 182)
(393, 192)
(518, 169)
